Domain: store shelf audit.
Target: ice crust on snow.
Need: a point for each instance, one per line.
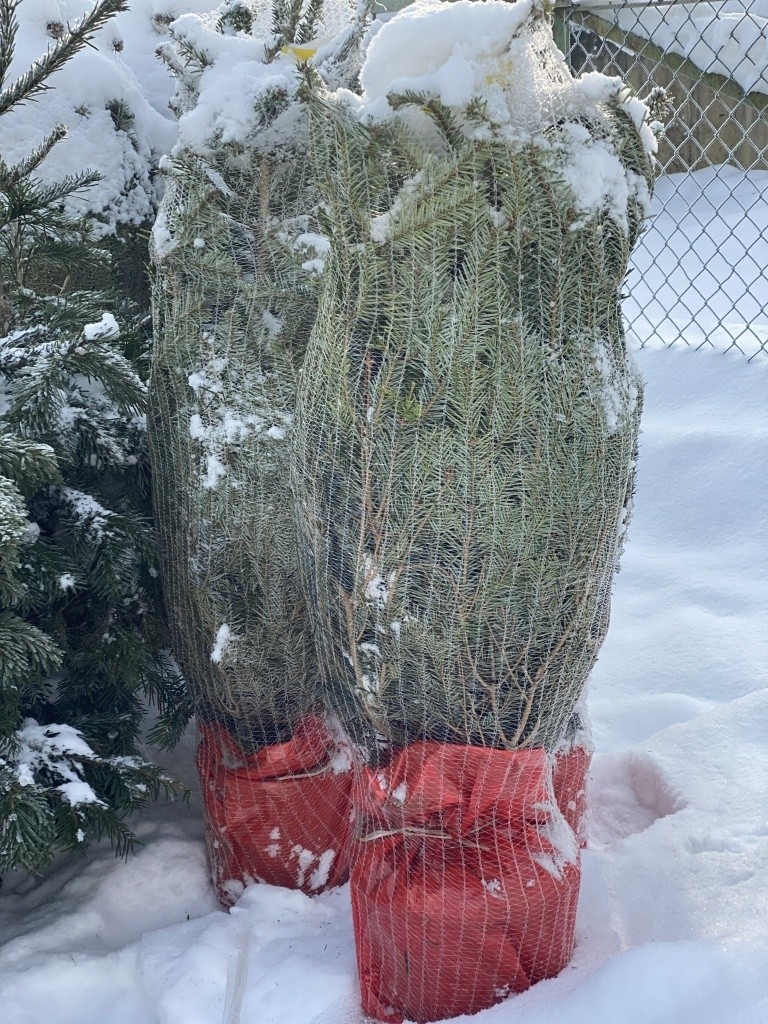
(163, 239)
(384, 224)
(342, 756)
(215, 470)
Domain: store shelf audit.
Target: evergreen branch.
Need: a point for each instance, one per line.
(124, 120)
(352, 38)
(442, 115)
(13, 526)
(305, 28)
(27, 651)
(292, 15)
(27, 461)
(279, 14)
(238, 18)
(190, 56)
(34, 81)
(10, 176)
(9, 27)
(39, 809)
(27, 824)
(30, 197)
(76, 595)
(166, 688)
(168, 54)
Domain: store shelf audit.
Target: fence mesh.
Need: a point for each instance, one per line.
(698, 272)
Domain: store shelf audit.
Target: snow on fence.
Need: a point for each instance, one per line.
(698, 271)
(697, 275)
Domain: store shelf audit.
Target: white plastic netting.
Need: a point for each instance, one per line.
(468, 416)
(237, 257)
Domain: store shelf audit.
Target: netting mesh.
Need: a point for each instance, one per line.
(466, 436)
(236, 264)
(237, 259)
(224, 378)
(394, 432)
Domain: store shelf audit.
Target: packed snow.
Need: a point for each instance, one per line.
(502, 56)
(673, 918)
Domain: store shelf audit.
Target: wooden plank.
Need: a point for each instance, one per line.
(560, 30)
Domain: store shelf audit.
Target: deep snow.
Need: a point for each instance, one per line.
(673, 918)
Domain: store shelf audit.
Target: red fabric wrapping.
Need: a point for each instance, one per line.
(569, 781)
(465, 880)
(282, 815)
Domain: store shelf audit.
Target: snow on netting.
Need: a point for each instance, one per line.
(237, 259)
(411, 579)
(466, 440)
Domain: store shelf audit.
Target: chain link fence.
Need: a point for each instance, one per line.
(699, 272)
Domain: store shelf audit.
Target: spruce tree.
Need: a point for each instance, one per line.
(467, 415)
(82, 639)
(238, 252)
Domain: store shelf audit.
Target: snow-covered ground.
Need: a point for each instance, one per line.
(673, 918)
(698, 273)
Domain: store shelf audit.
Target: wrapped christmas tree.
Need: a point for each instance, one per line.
(238, 253)
(466, 442)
